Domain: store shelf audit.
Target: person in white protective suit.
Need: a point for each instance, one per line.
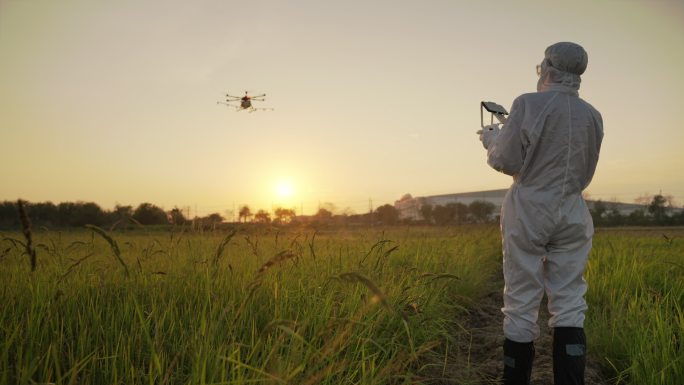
(550, 145)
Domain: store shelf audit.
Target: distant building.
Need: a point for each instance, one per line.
(622, 208)
(409, 207)
(628, 208)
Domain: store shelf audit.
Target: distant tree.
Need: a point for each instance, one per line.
(678, 218)
(598, 210)
(460, 212)
(387, 214)
(323, 216)
(262, 217)
(343, 217)
(406, 197)
(329, 206)
(443, 215)
(66, 214)
(149, 214)
(176, 216)
(9, 216)
(347, 211)
(637, 218)
(213, 219)
(120, 216)
(91, 213)
(245, 213)
(284, 215)
(44, 214)
(426, 212)
(657, 209)
(613, 217)
(80, 214)
(481, 211)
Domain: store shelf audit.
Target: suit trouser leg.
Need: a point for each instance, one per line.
(565, 289)
(523, 290)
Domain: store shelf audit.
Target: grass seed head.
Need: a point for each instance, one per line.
(26, 228)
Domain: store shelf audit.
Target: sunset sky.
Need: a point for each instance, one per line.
(115, 101)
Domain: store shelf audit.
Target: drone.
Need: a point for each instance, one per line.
(245, 102)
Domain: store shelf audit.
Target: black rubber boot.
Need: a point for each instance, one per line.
(569, 355)
(518, 357)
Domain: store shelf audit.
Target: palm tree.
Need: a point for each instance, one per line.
(245, 212)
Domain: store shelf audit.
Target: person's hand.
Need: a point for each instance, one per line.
(488, 134)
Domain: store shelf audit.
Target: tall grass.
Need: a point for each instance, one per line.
(636, 298)
(268, 306)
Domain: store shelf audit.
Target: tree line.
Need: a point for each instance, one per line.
(659, 211)
(459, 213)
(78, 214)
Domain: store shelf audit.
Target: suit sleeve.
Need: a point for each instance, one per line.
(594, 145)
(507, 153)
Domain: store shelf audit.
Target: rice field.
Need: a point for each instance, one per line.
(250, 305)
(636, 296)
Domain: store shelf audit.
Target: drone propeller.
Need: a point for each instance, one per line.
(262, 109)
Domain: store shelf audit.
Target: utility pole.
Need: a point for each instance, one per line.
(370, 210)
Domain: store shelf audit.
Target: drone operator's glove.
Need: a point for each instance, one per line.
(488, 134)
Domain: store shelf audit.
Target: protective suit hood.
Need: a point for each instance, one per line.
(561, 68)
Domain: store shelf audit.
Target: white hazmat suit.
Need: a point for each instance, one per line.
(550, 145)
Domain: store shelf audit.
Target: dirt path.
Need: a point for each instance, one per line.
(478, 359)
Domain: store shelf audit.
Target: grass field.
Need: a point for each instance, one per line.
(288, 306)
(636, 296)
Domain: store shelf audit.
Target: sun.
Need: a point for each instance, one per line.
(284, 189)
